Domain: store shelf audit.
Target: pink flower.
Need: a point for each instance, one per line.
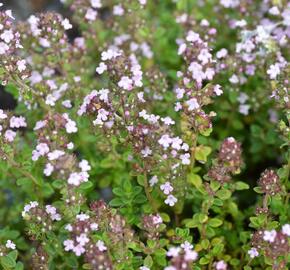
(166, 188)
(17, 122)
(165, 141)
(274, 71)
(79, 250)
(221, 265)
(68, 245)
(21, 65)
(101, 245)
(270, 236)
(192, 104)
(7, 36)
(171, 200)
(66, 24)
(253, 252)
(91, 15)
(101, 68)
(126, 83)
(10, 244)
(10, 135)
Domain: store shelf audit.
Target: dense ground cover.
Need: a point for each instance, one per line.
(146, 135)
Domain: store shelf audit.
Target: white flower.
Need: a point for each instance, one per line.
(10, 135)
(179, 92)
(118, 10)
(84, 165)
(190, 255)
(274, 11)
(166, 188)
(79, 250)
(91, 15)
(68, 245)
(171, 200)
(94, 226)
(55, 154)
(217, 90)
(68, 227)
(222, 53)
(167, 121)
(101, 68)
(67, 104)
(234, 79)
(221, 265)
(44, 42)
(274, 71)
(192, 104)
(186, 245)
(96, 3)
(192, 36)
(7, 36)
(185, 159)
(146, 151)
(66, 24)
(71, 126)
(173, 252)
(153, 181)
(286, 229)
(48, 169)
(10, 244)
(82, 217)
(101, 245)
(3, 48)
(17, 122)
(82, 239)
(125, 83)
(21, 65)
(165, 141)
(270, 236)
(253, 252)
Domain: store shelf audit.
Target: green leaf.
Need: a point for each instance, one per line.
(194, 179)
(7, 262)
(116, 202)
(258, 190)
(13, 255)
(241, 185)
(218, 249)
(86, 185)
(224, 194)
(201, 153)
(148, 261)
(215, 222)
(204, 261)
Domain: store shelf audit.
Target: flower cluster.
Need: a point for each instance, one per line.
(228, 162)
(8, 126)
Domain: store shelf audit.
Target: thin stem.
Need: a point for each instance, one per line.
(148, 194)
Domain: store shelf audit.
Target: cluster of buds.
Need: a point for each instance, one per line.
(181, 257)
(272, 244)
(10, 44)
(82, 242)
(110, 221)
(228, 162)
(86, 9)
(281, 89)
(4, 249)
(47, 32)
(125, 72)
(152, 225)
(40, 259)
(40, 218)
(98, 104)
(8, 126)
(191, 95)
(269, 182)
